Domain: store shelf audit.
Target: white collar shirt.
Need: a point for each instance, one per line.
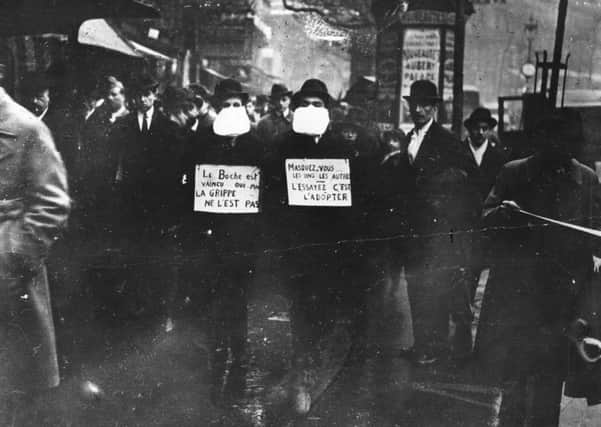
(41, 116)
(478, 152)
(417, 137)
(148, 116)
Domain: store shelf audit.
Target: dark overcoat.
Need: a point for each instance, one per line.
(227, 233)
(539, 269)
(436, 198)
(147, 177)
(316, 225)
(34, 207)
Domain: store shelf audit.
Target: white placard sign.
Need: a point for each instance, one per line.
(318, 182)
(227, 189)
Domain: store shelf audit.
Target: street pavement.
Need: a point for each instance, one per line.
(134, 373)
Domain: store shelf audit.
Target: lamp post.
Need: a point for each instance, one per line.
(528, 69)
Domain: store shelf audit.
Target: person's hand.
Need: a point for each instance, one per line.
(507, 210)
(596, 264)
(510, 205)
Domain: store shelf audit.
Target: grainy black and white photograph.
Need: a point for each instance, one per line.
(300, 213)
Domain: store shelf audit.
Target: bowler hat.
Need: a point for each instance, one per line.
(144, 83)
(314, 88)
(229, 88)
(480, 115)
(279, 91)
(423, 90)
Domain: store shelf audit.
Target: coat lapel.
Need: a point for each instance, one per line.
(427, 151)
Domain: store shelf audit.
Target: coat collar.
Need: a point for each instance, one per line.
(534, 168)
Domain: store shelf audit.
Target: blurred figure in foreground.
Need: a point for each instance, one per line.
(34, 207)
(540, 270)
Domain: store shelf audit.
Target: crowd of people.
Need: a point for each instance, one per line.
(424, 204)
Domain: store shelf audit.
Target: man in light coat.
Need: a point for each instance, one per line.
(34, 205)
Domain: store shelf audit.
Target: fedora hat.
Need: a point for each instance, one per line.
(314, 88)
(279, 91)
(423, 90)
(144, 83)
(480, 115)
(229, 88)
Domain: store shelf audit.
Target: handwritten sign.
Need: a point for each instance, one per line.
(227, 189)
(318, 182)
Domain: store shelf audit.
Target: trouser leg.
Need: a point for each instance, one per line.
(429, 308)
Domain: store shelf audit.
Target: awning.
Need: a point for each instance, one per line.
(20, 17)
(214, 73)
(98, 32)
(150, 52)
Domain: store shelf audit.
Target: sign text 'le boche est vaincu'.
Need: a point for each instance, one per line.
(227, 189)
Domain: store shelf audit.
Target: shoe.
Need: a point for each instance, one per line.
(425, 359)
(407, 353)
(169, 325)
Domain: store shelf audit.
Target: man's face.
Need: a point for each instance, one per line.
(232, 103)
(422, 111)
(40, 102)
(283, 104)
(394, 143)
(312, 100)
(479, 132)
(145, 100)
(179, 116)
(349, 134)
(115, 98)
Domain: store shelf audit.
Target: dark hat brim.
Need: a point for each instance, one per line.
(423, 98)
(275, 97)
(492, 122)
(219, 97)
(327, 99)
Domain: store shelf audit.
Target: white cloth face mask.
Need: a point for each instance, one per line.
(311, 120)
(231, 121)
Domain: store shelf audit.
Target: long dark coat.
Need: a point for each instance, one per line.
(302, 225)
(146, 177)
(436, 198)
(485, 175)
(539, 270)
(33, 208)
(229, 232)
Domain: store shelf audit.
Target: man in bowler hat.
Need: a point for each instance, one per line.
(437, 204)
(223, 242)
(318, 269)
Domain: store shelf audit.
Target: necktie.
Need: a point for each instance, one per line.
(413, 146)
(145, 126)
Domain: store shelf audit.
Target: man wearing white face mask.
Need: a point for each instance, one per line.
(222, 225)
(315, 226)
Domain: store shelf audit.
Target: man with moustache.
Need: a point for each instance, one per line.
(222, 227)
(437, 205)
